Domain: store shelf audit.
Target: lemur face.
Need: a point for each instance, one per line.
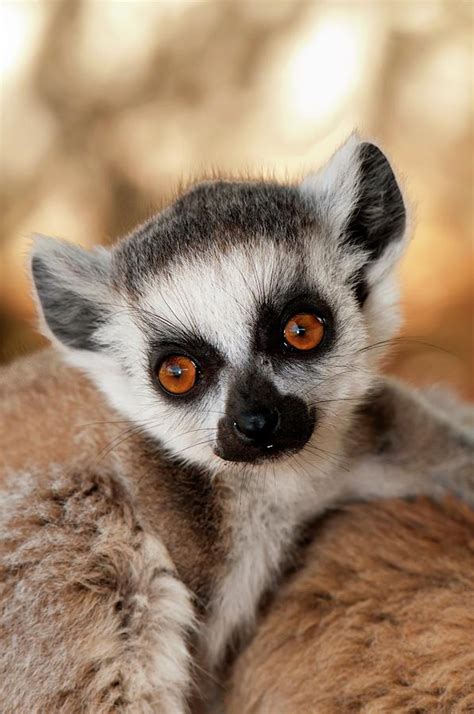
(239, 326)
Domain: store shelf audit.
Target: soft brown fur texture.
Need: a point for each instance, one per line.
(52, 414)
(75, 554)
(107, 554)
(380, 619)
(102, 564)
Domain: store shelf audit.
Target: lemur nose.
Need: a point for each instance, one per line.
(257, 426)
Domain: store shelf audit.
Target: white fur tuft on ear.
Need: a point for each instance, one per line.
(333, 187)
(358, 199)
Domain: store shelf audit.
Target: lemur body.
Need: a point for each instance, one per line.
(236, 338)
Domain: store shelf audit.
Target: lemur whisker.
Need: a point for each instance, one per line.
(116, 441)
(303, 465)
(330, 457)
(252, 290)
(180, 322)
(137, 429)
(337, 399)
(192, 446)
(319, 471)
(189, 311)
(136, 309)
(243, 307)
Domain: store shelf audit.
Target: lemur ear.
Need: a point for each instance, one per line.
(357, 194)
(72, 289)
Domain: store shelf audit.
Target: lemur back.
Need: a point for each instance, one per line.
(46, 409)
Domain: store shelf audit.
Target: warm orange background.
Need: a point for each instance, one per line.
(107, 106)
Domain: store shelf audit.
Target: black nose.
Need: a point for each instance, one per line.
(257, 426)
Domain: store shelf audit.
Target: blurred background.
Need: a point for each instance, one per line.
(107, 106)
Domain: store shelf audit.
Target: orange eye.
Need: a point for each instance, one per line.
(177, 374)
(304, 331)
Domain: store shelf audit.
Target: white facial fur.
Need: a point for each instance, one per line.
(220, 298)
(217, 294)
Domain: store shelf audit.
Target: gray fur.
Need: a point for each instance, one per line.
(70, 283)
(210, 218)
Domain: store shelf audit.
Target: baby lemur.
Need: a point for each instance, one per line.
(236, 337)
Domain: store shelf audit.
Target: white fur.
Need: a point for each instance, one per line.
(224, 310)
(264, 520)
(333, 188)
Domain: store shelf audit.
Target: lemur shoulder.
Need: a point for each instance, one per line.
(213, 388)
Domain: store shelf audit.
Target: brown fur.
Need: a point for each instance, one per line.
(380, 619)
(73, 553)
(51, 414)
(100, 540)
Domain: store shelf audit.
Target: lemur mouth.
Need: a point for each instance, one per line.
(272, 453)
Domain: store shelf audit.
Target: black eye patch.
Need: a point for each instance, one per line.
(207, 358)
(272, 316)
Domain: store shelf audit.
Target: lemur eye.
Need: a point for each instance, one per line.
(304, 331)
(177, 374)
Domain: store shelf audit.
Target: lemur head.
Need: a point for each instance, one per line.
(237, 325)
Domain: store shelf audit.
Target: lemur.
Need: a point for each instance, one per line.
(218, 389)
